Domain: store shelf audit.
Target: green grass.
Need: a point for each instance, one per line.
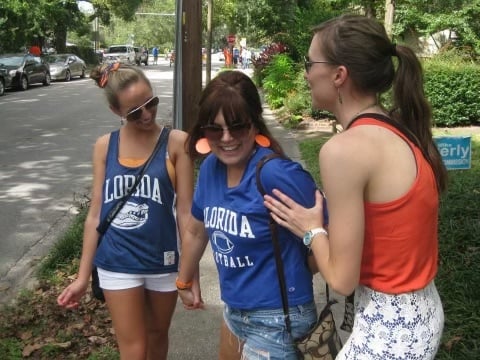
(458, 279)
(67, 248)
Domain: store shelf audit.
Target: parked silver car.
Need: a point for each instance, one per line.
(65, 66)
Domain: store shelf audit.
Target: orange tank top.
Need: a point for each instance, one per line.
(400, 250)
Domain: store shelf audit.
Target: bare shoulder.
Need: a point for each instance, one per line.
(348, 154)
(176, 142)
(177, 137)
(103, 140)
(342, 146)
(101, 145)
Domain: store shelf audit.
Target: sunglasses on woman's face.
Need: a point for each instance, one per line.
(214, 132)
(136, 113)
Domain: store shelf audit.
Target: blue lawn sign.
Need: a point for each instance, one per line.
(456, 151)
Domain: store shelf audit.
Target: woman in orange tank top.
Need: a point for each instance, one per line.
(382, 176)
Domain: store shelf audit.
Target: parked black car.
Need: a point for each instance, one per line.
(25, 69)
(5, 81)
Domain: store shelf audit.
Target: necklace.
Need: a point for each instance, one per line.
(359, 112)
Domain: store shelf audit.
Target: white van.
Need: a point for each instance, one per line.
(119, 53)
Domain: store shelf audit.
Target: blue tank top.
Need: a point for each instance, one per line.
(142, 239)
(237, 224)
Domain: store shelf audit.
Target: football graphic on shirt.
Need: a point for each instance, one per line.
(222, 242)
(131, 216)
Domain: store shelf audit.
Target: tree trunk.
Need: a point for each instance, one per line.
(389, 15)
(60, 39)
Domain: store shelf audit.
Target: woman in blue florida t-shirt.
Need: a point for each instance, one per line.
(228, 210)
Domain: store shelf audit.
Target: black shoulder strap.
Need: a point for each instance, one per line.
(105, 223)
(276, 245)
(260, 164)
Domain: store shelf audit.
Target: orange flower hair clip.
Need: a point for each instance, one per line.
(104, 78)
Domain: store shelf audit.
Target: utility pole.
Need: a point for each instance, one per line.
(188, 63)
(208, 64)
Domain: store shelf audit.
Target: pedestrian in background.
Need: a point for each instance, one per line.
(138, 255)
(246, 56)
(155, 55)
(382, 175)
(236, 56)
(228, 210)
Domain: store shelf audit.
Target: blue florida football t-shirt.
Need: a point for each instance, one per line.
(236, 221)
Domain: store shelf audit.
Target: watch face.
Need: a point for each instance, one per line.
(307, 238)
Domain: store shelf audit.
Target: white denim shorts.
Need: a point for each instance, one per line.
(119, 281)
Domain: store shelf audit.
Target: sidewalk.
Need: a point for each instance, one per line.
(194, 335)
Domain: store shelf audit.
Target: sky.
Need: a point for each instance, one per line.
(85, 7)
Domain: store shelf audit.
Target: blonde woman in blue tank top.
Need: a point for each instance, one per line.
(138, 256)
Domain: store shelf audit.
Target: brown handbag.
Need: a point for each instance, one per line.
(323, 342)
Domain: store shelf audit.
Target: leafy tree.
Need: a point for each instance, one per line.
(147, 26)
(24, 22)
(416, 18)
(124, 9)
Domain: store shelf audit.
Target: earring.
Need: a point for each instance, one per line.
(122, 121)
(262, 140)
(202, 146)
(340, 100)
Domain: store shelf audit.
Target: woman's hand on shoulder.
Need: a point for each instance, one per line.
(296, 218)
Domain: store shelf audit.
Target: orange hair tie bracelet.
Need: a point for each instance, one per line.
(182, 285)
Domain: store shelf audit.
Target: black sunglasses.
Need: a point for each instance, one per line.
(136, 113)
(214, 132)
(308, 64)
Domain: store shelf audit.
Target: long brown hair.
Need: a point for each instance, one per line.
(361, 44)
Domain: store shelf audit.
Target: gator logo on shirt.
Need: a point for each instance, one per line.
(131, 216)
(222, 242)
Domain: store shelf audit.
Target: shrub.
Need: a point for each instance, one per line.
(279, 79)
(298, 100)
(452, 88)
(264, 59)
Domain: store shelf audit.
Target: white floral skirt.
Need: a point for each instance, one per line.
(395, 327)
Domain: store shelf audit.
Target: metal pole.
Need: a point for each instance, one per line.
(208, 65)
(177, 72)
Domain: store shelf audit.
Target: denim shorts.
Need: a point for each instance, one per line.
(263, 332)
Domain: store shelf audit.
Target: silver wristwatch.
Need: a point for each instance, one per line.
(308, 237)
